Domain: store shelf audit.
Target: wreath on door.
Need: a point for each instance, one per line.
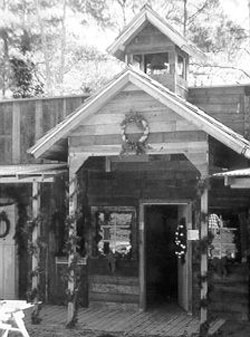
(4, 219)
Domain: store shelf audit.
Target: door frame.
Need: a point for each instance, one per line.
(142, 248)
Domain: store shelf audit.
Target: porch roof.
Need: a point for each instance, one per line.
(53, 145)
(28, 173)
(147, 14)
(234, 173)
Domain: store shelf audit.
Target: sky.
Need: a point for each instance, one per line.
(237, 10)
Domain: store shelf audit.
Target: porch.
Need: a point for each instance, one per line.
(165, 321)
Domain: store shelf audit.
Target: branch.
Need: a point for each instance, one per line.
(198, 11)
(222, 67)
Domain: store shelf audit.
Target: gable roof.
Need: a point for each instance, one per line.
(138, 23)
(57, 136)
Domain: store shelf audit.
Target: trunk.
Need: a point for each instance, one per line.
(63, 46)
(185, 18)
(5, 62)
(44, 48)
(249, 19)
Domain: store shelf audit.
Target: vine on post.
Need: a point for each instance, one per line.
(34, 250)
(72, 271)
(203, 247)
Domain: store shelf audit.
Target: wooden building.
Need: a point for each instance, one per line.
(139, 157)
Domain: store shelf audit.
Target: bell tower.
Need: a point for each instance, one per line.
(150, 44)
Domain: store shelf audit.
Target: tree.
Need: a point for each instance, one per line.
(17, 43)
(25, 83)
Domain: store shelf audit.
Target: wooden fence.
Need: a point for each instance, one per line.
(22, 122)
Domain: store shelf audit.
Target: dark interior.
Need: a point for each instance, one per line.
(161, 262)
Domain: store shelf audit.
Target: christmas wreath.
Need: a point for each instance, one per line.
(4, 218)
(181, 240)
(139, 145)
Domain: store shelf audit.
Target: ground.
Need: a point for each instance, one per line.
(229, 329)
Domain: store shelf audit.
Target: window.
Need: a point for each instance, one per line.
(137, 61)
(115, 227)
(157, 64)
(181, 66)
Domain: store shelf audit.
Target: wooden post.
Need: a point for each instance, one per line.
(38, 119)
(72, 231)
(142, 267)
(75, 162)
(204, 255)
(36, 200)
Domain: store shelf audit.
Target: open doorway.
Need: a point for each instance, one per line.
(161, 262)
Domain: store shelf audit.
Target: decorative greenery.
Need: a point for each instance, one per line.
(73, 270)
(4, 218)
(138, 146)
(34, 250)
(201, 248)
(181, 240)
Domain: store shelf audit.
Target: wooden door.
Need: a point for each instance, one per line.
(185, 269)
(8, 261)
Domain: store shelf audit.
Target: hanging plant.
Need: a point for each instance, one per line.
(138, 146)
(4, 219)
(181, 240)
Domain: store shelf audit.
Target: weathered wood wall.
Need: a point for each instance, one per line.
(163, 177)
(149, 40)
(25, 121)
(230, 105)
(102, 132)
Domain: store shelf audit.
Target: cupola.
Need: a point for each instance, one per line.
(150, 44)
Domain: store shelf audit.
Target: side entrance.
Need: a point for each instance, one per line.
(164, 279)
(8, 256)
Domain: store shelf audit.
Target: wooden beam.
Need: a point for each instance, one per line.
(75, 161)
(238, 182)
(200, 160)
(18, 180)
(108, 164)
(159, 148)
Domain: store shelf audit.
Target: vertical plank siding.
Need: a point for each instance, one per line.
(6, 119)
(230, 105)
(22, 122)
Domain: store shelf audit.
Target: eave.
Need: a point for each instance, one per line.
(29, 173)
(138, 23)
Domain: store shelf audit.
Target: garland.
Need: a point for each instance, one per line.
(73, 270)
(181, 240)
(34, 250)
(4, 218)
(138, 146)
